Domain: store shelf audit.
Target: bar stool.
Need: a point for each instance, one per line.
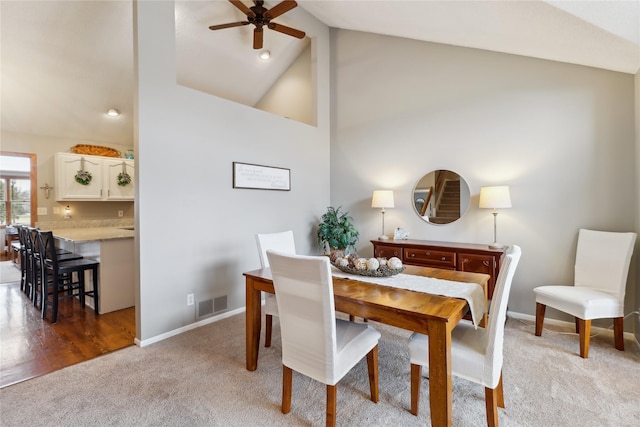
(58, 280)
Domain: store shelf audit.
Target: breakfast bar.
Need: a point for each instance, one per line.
(113, 248)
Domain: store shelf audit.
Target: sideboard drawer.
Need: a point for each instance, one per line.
(441, 259)
(388, 252)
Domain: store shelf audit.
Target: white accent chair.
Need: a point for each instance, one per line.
(314, 342)
(281, 242)
(600, 281)
(476, 354)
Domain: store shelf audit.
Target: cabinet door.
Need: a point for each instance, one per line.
(112, 169)
(387, 251)
(475, 263)
(66, 186)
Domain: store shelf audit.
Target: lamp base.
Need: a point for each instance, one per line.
(496, 245)
(383, 238)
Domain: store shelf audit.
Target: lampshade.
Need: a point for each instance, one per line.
(497, 197)
(382, 199)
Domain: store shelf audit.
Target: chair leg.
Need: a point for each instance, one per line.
(332, 394)
(491, 401)
(268, 320)
(577, 325)
(618, 332)
(287, 385)
(416, 376)
(585, 332)
(500, 392)
(540, 309)
(372, 365)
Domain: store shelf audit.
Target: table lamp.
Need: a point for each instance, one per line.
(495, 198)
(382, 199)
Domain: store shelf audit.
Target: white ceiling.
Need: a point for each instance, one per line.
(64, 63)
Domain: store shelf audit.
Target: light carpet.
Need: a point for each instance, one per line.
(9, 272)
(199, 379)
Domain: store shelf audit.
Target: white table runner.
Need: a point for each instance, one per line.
(471, 292)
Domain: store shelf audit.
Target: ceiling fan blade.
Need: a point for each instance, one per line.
(257, 38)
(279, 9)
(244, 8)
(232, 24)
(286, 30)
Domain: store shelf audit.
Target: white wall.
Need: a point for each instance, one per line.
(561, 136)
(195, 233)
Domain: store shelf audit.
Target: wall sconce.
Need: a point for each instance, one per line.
(382, 199)
(67, 212)
(495, 198)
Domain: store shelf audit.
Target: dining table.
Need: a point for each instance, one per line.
(422, 312)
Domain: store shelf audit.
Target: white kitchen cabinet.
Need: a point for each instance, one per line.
(104, 178)
(112, 168)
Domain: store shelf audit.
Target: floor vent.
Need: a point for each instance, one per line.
(205, 308)
(220, 304)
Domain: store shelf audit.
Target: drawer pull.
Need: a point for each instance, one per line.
(428, 253)
(486, 263)
(412, 255)
(444, 258)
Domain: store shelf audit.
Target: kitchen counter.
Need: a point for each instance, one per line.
(80, 235)
(113, 248)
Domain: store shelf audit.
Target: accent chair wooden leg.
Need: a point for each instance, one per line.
(500, 392)
(491, 401)
(268, 320)
(618, 332)
(416, 377)
(540, 309)
(352, 318)
(372, 366)
(332, 394)
(585, 332)
(287, 385)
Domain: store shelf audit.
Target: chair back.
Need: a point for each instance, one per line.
(602, 260)
(304, 292)
(47, 250)
(279, 242)
(498, 317)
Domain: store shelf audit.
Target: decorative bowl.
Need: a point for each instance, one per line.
(383, 271)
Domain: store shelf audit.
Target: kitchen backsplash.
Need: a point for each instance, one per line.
(84, 223)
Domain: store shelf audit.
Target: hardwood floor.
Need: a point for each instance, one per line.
(32, 346)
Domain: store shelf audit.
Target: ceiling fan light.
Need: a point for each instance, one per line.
(112, 112)
(265, 54)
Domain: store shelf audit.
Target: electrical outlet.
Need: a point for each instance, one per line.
(190, 300)
(120, 214)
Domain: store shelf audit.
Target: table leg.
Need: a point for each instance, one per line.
(440, 373)
(254, 323)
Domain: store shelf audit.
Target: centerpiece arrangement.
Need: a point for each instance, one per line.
(372, 267)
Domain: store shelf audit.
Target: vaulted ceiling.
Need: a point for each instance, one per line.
(64, 63)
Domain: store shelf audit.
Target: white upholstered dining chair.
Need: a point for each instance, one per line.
(476, 354)
(281, 242)
(314, 342)
(599, 284)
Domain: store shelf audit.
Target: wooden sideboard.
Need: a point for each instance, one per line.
(470, 257)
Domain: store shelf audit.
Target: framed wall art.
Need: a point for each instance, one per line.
(246, 175)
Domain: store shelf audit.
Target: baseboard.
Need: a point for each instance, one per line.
(564, 323)
(207, 321)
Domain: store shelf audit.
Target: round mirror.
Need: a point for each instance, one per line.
(441, 197)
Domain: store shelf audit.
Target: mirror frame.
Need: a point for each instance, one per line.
(430, 188)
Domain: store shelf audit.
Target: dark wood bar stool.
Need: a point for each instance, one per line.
(58, 279)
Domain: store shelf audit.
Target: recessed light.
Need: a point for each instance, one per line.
(112, 112)
(265, 54)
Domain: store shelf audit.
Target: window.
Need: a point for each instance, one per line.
(17, 184)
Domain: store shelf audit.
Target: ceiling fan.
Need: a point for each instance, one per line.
(259, 16)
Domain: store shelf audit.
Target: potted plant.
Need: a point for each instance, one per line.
(336, 231)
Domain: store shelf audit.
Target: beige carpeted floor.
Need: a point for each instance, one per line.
(9, 272)
(198, 379)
